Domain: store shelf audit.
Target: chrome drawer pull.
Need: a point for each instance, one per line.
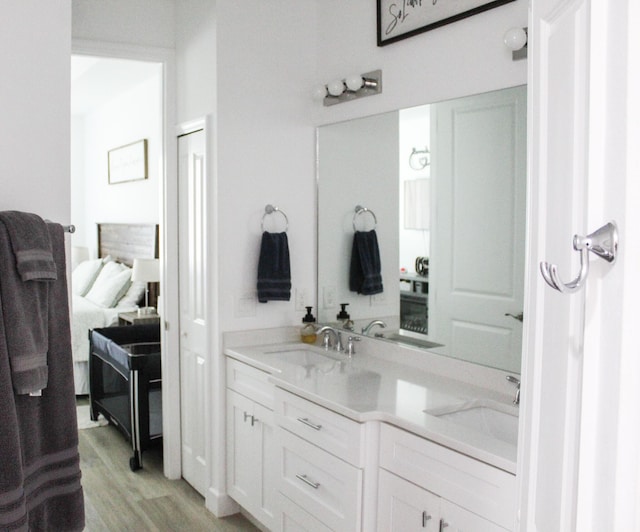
(314, 485)
(443, 525)
(425, 517)
(308, 423)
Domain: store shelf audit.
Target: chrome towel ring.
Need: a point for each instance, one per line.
(271, 209)
(363, 210)
(603, 242)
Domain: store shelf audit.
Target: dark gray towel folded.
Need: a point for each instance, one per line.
(25, 306)
(31, 245)
(40, 485)
(365, 268)
(274, 270)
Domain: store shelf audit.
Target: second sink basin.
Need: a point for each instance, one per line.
(492, 418)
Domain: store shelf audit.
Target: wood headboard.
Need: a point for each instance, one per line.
(125, 242)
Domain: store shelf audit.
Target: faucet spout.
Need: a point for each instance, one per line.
(371, 325)
(326, 330)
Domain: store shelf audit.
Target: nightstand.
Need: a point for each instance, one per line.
(132, 318)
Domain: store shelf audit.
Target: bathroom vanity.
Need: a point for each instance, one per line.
(317, 440)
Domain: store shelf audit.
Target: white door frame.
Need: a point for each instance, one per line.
(168, 304)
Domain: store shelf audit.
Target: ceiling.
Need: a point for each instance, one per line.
(96, 80)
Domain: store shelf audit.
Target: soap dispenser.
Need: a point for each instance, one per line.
(308, 332)
(344, 317)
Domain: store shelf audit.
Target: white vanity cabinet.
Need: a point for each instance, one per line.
(252, 474)
(424, 486)
(321, 466)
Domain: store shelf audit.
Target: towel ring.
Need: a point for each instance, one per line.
(271, 209)
(362, 210)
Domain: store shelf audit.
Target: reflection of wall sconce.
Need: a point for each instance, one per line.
(516, 40)
(419, 159)
(350, 88)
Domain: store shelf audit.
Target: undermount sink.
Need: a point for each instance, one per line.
(302, 357)
(495, 419)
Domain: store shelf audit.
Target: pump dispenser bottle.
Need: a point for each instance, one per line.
(308, 332)
(344, 317)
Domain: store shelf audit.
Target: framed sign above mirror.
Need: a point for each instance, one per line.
(399, 19)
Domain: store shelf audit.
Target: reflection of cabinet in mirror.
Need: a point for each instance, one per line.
(414, 304)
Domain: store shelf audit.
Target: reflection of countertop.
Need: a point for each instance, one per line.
(366, 388)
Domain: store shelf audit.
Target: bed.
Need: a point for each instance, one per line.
(102, 288)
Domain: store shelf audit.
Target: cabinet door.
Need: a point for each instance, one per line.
(266, 474)
(457, 519)
(405, 507)
(243, 463)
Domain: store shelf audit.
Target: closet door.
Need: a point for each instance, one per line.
(193, 325)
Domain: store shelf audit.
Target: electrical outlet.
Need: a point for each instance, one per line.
(329, 297)
(301, 298)
(246, 305)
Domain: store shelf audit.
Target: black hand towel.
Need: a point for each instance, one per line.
(274, 270)
(364, 273)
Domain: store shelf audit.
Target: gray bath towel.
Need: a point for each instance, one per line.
(25, 308)
(31, 246)
(40, 486)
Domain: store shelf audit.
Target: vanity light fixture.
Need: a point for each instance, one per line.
(351, 88)
(516, 40)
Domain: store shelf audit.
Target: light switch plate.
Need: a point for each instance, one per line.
(246, 305)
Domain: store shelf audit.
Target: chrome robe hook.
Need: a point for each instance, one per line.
(603, 242)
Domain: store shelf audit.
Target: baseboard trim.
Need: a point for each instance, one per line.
(220, 504)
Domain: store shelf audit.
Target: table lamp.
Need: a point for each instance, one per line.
(146, 271)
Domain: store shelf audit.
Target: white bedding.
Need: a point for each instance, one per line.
(86, 315)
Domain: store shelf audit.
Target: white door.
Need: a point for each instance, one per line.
(474, 292)
(192, 263)
(579, 465)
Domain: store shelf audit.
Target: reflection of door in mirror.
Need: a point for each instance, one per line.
(479, 168)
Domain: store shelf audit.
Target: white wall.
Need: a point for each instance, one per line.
(35, 46)
(138, 22)
(129, 117)
(266, 148)
(458, 59)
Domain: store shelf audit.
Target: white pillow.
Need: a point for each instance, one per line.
(84, 274)
(134, 295)
(112, 282)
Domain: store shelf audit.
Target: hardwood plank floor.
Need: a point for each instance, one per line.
(117, 499)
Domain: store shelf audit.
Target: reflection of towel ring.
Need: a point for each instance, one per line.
(362, 210)
(270, 209)
(419, 159)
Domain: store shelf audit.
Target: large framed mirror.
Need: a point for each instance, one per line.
(443, 186)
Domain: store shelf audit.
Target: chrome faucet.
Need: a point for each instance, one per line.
(365, 330)
(337, 346)
(516, 381)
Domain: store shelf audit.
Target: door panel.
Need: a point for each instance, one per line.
(193, 326)
(479, 203)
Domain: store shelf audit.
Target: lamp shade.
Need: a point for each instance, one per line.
(146, 270)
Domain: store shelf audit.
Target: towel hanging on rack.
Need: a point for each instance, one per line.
(274, 270)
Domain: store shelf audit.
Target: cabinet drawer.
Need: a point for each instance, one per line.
(476, 486)
(295, 519)
(321, 484)
(332, 432)
(250, 382)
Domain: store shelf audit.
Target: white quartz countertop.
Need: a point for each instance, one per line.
(365, 388)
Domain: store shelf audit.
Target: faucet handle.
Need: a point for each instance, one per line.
(516, 381)
(351, 349)
(326, 341)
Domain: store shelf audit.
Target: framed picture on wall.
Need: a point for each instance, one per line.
(399, 19)
(128, 162)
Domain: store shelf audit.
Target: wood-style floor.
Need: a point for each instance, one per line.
(117, 499)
